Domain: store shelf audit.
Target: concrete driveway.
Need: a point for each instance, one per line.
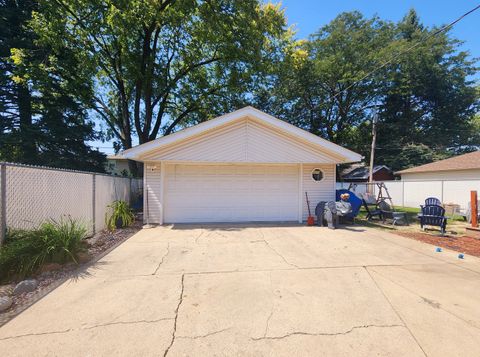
(233, 290)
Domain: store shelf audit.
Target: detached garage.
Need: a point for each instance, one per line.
(241, 167)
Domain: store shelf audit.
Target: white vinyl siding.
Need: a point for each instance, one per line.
(443, 175)
(323, 190)
(245, 141)
(235, 193)
(152, 190)
(231, 193)
(253, 168)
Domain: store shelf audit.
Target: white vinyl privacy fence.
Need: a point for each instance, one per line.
(30, 195)
(414, 193)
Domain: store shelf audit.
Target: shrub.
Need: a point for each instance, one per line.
(54, 241)
(21, 254)
(65, 239)
(119, 214)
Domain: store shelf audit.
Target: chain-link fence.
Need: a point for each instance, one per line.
(30, 195)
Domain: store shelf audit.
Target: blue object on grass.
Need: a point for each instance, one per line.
(461, 256)
(353, 200)
(438, 249)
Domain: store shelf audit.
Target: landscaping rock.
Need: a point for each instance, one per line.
(25, 286)
(5, 302)
(93, 241)
(83, 257)
(6, 290)
(99, 243)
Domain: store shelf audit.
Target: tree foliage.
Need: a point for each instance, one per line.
(148, 68)
(429, 100)
(158, 65)
(316, 85)
(332, 83)
(42, 116)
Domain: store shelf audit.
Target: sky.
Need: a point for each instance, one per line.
(309, 15)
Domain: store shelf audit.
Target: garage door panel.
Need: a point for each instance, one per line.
(231, 193)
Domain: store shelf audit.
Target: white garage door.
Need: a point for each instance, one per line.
(231, 193)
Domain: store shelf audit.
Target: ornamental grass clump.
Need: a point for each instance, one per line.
(119, 214)
(25, 251)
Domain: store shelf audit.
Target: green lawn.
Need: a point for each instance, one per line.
(410, 211)
(455, 225)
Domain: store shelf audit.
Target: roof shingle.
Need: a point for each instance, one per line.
(468, 161)
(362, 172)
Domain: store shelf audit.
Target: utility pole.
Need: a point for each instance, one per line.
(372, 151)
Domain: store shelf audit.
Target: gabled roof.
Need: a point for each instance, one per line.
(189, 135)
(363, 172)
(468, 161)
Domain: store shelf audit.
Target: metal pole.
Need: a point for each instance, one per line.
(3, 202)
(93, 201)
(372, 151)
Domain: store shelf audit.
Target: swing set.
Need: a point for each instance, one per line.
(370, 199)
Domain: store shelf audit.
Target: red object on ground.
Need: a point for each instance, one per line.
(310, 219)
(474, 210)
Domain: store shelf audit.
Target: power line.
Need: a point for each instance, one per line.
(444, 28)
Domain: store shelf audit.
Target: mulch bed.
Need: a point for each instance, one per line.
(460, 244)
(98, 246)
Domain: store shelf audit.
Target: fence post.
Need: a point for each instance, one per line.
(130, 192)
(441, 198)
(403, 193)
(93, 203)
(3, 202)
(474, 208)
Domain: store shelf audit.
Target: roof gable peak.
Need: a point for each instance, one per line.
(244, 113)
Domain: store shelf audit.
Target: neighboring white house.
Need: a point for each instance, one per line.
(462, 167)
(242, 166)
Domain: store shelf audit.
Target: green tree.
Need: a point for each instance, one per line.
(16, 118)
(412, 155)
(159, 65)
(429, 102)
(321, 86)
(42, 119)
(330, 85)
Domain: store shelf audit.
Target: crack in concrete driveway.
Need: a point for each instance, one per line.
(252, 289)
(301, 333)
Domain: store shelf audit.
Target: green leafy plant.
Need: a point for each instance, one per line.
(65, 239)
(53, 241)
(119, 214)
(22, 253)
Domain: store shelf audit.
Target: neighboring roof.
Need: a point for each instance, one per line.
(347, 169)
(363, 172)
(468, 161)
(137, 153)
